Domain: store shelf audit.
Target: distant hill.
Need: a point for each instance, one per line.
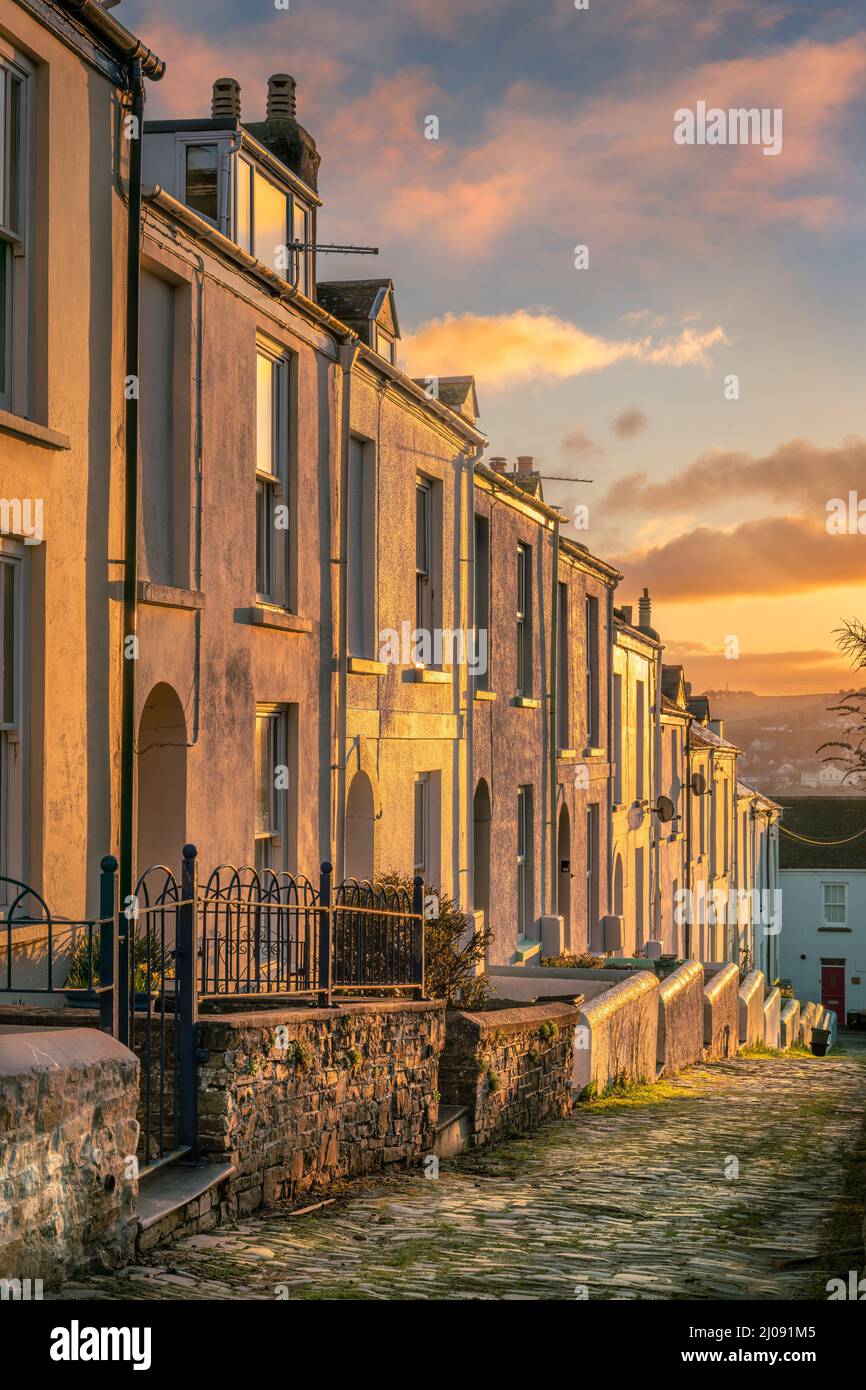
(779, 736)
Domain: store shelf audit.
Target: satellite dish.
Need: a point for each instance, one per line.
(698, 783)
(665, 809)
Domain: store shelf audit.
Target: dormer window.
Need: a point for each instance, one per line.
(202, 178)
(268, 220)
(385, 346)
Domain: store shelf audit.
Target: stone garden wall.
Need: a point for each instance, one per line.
(617, 1037)
(681, 1018)
(722, 1012)
(789, 1024)
(772, 1017)
(752, 1008)
(295, 1098)
(68, 1099)
(511, 1068)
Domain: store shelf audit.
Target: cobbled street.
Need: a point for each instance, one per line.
(626, 1200)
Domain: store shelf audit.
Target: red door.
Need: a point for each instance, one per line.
(833, 990)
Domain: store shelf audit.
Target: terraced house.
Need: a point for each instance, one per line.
(300, 619)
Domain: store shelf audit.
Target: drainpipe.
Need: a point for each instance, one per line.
(347, 353)
(655, 825)
(130, 550)
(472, 458)
(612, 753)
(554, 674)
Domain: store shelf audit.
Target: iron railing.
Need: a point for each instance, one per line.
(147, 963)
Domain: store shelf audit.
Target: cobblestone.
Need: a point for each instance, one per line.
(625, 1202)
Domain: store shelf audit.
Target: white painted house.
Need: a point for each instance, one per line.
(822, 946)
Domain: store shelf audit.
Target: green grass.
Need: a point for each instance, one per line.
(630, 1097)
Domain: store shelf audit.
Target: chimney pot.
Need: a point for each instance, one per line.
(498, 464)
(226, 98)
(627, 613)
(525, 463)
(282, 102)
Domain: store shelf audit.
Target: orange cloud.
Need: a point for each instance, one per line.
(794, 470)
(786, 555)
(502, 349)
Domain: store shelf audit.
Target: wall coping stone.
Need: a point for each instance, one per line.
(49, 1049)
(243, 1018)
(680, 979)
(518, 1020)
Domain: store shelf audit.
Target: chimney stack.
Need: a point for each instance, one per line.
(226, 99)
(645, 608)
(626, 613)
(498, 464)
(282, 102)
(525, 463)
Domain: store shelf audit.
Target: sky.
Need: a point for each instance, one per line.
(705, 262)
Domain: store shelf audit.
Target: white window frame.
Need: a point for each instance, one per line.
(834, 883)
(182, 144)
(12, 720)
(424, 557)
(271, 841)
(421, 812)
(273, 547)
(525, 850)
(525, 671)
(15, 239)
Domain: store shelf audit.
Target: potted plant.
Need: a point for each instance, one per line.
(146, 978)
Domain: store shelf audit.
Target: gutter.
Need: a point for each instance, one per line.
(118, 39)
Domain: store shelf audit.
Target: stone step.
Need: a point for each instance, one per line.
(167, 1191)
(452, 1131)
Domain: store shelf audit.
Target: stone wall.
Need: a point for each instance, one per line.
(681, 1018)
(68, 1099)
(295, 1098)
(789, 1024)
(512, 1068)
(617, 1036)
(772, 1018)
(722, 1012)
(752, 1008)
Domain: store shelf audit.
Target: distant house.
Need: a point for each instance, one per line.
(823, 938)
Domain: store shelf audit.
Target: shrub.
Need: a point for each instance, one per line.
(584, 961)
(548, 1030)
(453, 951)
(144, 978)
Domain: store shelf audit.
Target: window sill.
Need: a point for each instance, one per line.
(592, 752)
(566, 754)
(364, 666)
(836, 929)
(485, 695)
(424, 675)
(263, 615)
(526, 950)
(31, 433)
(525, 702)
(167, 596)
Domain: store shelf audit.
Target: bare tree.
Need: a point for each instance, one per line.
(849, 752)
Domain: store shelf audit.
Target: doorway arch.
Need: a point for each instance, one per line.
(360, 822)
(161, 793)
(481, 849)
(564, 874)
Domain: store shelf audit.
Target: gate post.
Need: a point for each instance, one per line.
(108, 945)
(418, 937)
(125, 917)
(325, 937)
(186, 1002)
